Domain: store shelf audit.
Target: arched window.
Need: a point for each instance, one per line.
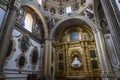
(68, 9)
(118, 4)
(28, 22)
(40, 2)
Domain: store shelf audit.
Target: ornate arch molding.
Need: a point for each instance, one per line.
(80, 18)
(39, 12)
(95, 6)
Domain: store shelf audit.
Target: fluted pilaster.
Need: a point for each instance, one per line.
(113, 24)
(103, 56)
(47, 64)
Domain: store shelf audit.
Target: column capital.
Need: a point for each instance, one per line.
(47, 38)
(97, 30)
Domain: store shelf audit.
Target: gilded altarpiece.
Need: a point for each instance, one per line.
(76, 54)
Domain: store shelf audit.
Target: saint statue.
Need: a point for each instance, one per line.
(76, 62)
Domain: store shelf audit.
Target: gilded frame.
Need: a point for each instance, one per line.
(20, 42)
(31, 55)
(18, 59)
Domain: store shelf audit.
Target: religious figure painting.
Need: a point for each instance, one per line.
(73, 36)
(25, 43)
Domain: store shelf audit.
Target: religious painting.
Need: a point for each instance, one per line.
(21, 61)
(92, 54)
(88, 35)
(24, 43)
(61, 56)
(74, 36)
(34, 56)
(94, 64)
(61, 66)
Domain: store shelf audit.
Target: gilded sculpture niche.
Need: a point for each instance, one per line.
(76, 53)
(76, 61)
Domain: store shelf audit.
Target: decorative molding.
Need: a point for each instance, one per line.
(17, 3)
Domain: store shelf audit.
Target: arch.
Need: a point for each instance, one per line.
(80, 18)
(39, 12)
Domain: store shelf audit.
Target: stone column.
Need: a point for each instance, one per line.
(103, 56)
(7, 31)
(113, 24)
(47, 66)
(6, 34)
(45, 57)
(41, 63)
(49, 58)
